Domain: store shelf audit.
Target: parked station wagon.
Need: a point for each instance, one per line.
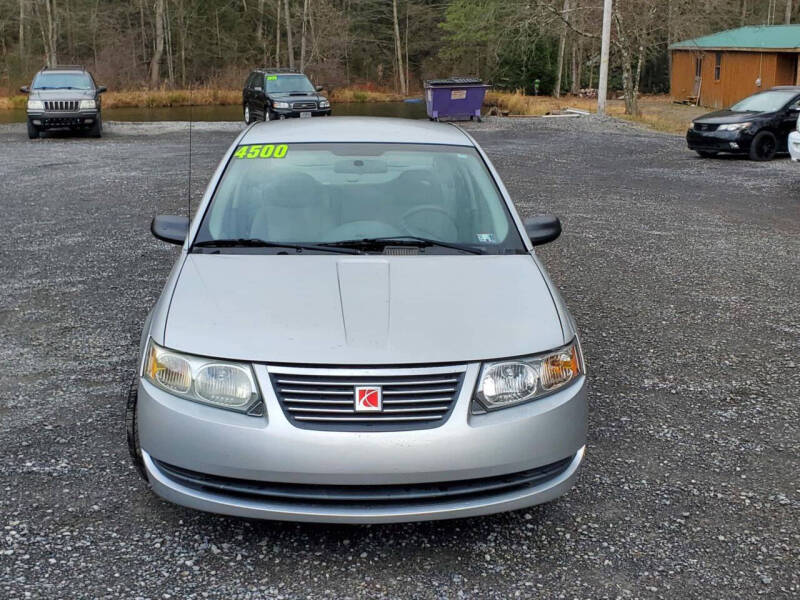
(357, 329)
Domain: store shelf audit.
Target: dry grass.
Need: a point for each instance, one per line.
(203, 97)
(657, 112)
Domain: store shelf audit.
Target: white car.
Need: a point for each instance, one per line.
(794, 143)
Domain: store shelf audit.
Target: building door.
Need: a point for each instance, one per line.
(698, 76)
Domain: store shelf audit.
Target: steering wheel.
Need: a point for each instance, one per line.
(421, 231)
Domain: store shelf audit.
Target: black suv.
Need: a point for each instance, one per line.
(271, 94)
(64, 97)
(757, 126)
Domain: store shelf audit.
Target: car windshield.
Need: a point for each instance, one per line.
(343, 193)
(56, 81)
(285, 84)
(765, 101)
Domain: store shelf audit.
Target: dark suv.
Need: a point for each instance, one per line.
(64, 97)
(271, 94)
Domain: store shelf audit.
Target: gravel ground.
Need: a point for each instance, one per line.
(685, 268)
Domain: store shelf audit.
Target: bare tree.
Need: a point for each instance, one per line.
(788, 12)
(289, 45)
(22, 30)
(562, 41)
(303, 36)
(48, 25)
(155, 61)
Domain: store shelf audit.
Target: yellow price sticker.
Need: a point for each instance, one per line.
(261, 151)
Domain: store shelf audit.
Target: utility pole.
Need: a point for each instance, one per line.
(602, 86)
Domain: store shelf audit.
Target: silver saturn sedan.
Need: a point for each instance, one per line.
(358, 330)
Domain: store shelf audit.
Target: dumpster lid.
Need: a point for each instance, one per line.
(454, 81)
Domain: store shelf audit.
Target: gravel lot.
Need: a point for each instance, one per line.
(682, 274)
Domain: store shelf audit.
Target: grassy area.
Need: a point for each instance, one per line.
(205, 97)
(657, 112)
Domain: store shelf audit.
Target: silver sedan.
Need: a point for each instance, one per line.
(358, 330)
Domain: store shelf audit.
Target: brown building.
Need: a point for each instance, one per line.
(719, 70)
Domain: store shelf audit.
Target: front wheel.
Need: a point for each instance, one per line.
(132, 429)
(247, 115)
(705, 154)
(33, 131)
(97, 129)
(764, 146)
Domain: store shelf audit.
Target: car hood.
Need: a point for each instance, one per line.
(61, 94)
(722, 117)
(296, 97)
(321, 309)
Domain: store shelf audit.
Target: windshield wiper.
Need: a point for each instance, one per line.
(259, 243)
(402, 240)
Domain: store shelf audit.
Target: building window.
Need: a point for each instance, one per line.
(717, 66)
(698, 67)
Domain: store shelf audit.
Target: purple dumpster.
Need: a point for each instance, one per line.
(457, 98)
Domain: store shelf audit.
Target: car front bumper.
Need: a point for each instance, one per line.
(60, 119)
(290, 113)
(718, 141)
(230, 448)
(794, 145)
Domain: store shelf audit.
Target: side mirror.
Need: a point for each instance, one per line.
(25, 89)
(257, 89)
(542, 229)
(170, 228)
(101, 89)
(319, 88)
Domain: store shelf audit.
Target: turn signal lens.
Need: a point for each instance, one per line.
(169, 370)
(506, 383)
(218, 383)
(559, 368)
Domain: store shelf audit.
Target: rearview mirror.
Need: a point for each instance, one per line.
(542, 229)
(25, 89)
(101, 89)
(170, 228)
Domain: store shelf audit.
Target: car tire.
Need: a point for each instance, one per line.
(97, 129)
(33, 131)
(248, 118)
(706, 154)
(132, 428)
(764, 146)
(270, 116)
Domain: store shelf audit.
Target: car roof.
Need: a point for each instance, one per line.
(792, 88)
(278, 72)
(356, 129)
(65, 68)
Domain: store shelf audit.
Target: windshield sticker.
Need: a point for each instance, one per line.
(262, 151)
(272, 77)
(486, 238)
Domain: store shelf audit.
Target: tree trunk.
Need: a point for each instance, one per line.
(744, 12)
(401, 77)
(788, 12)
(155, 61)
(289, 45)
(278, 37)
(303, 36)
(50, 36)
(21, 30)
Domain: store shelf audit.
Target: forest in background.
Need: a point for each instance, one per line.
(387, 44)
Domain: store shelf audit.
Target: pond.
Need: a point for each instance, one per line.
(407, 110)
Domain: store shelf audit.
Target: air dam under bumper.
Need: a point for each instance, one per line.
(269, 450)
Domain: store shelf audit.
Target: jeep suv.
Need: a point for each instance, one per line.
(64, 97)
(271, 94)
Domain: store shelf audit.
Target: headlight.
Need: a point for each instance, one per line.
(734, 126)
(324, 104)
(511, 382)
(218, 383)
(87, 104)
(280, 104)
(35, 105)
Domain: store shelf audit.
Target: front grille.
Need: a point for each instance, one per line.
(61, 105)
(705, 126)
(304, 106)
(382, 495)
(413, 398)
